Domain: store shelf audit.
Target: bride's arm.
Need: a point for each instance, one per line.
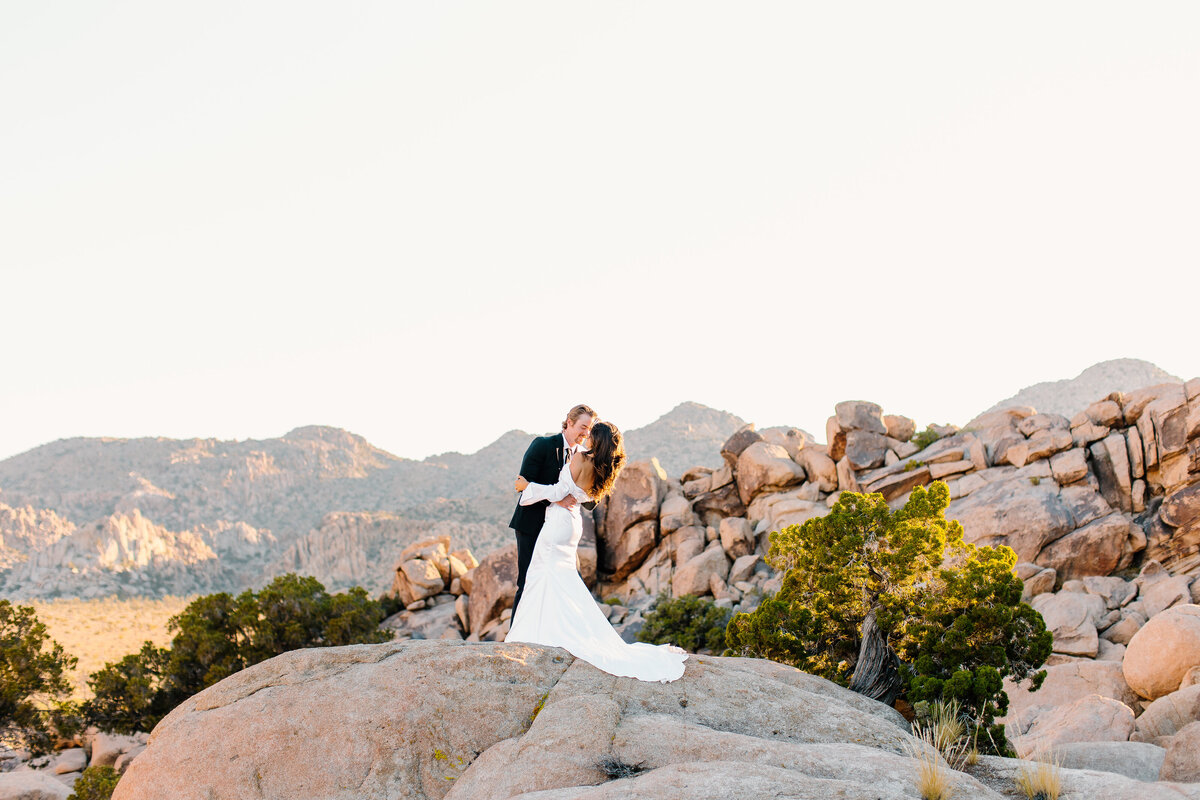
(537, 492)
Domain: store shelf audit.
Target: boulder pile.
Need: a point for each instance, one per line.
(53, 776)
(1103, 511)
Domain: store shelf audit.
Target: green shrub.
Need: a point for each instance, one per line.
(951, 611)
(33, 682)
(95, 783)
(218, 635)
(923, 439)
(391, 604)
(690, 622)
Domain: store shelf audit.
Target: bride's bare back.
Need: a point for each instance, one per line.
(583, 472)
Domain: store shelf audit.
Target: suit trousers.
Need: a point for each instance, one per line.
(525, 545)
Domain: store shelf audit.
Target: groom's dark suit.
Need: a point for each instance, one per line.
(543, 461)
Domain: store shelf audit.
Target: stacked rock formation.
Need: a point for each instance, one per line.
(1124, 674)
(1103, 511)
(1115, 487)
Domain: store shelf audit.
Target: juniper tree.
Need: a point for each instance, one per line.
(948, 612)
(33, 681)
(218, 635)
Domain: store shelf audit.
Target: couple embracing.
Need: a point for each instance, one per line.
(561, 475)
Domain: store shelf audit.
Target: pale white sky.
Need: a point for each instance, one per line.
(432, 223)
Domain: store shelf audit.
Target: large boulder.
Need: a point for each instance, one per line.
(430, 623)
(1137, 760)
(631, 523)
(866, 450)
(1182, 759)
(1072, 618)
(1065, 684)
(1015, 512)
(1162, 652)
(624, 555)
(1159, 590)
(685, 543)
(819, 467)
(432, 549)
(764, 466)
(675, 513)
(1168, 715)
(108, 747)
(1040, 445)
(1115, 591)
(898, 483)
(587, 559)
(899, 427)
(417, 579)
(695, 576)
(1088, 719)
(1003, 775)
(1069, 466)
(736, 537)
(720, 502)
(493, 586)
(793, 440)
(1181, 507)
(738, 442)
(28, 784)
(539, 720)
(860, 415)
(636, 497)
(1094, 549)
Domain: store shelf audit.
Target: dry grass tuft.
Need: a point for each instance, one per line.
(947, 726)
(1041, 780)
(933, 776)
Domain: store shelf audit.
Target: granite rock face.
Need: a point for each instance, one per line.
(539, 720)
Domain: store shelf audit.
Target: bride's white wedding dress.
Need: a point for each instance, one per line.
(557, 609)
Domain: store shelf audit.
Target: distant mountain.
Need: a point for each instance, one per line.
(1069, 397)
(97, 516)
(688, 435)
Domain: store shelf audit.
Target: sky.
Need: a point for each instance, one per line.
(431, 223)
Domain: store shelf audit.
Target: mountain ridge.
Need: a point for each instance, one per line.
(154, 514)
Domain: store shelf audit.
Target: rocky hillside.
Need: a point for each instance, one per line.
(1107, 492)
(1102, 509)
(1069, 397)
(154, 516)
(96, 517)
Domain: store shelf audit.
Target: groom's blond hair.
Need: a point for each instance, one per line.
(577, 412)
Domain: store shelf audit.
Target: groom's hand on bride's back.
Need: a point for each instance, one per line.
(567, 502)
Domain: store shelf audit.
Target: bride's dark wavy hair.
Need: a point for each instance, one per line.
(608, 456)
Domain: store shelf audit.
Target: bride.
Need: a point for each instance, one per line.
(556, 608)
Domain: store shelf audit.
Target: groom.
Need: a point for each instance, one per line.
(542, 462)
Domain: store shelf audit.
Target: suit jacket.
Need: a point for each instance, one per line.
(542, 462)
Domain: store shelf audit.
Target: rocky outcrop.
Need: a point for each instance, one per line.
(545, 725)
(539, 720)
(52, 776)
(630, 528)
